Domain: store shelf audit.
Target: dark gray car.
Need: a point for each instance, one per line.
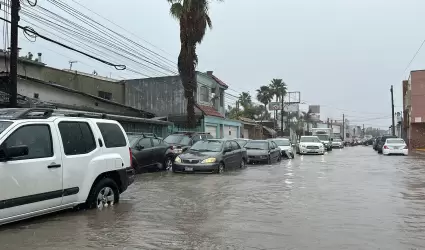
(211, 156)
(262, 151)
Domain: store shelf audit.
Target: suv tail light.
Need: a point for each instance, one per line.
(131, 157)
(385, 147)
(405, 147)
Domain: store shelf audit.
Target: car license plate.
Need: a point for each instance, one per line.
(188, 169)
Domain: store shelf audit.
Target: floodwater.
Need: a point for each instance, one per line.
(348, 199)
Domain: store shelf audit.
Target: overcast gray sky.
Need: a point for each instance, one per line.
(342, 55)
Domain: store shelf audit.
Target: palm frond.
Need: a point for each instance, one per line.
(176, 10)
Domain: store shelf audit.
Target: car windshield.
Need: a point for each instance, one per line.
(213, 146)
(337, 140)
(178, 139)
(309, 139)
(133, 139)
(259, 145)
(323, 137)
(242, 143)
(282, 142)
(395, 141)
(4, 125)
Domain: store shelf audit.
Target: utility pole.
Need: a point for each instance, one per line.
(343, 127)
(328, 122)
(281, 117)
(363, 131)
(392, 110)
(13, 60)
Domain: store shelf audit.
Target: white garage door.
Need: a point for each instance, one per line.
(246, 134)
(231, 132)
(212, 130)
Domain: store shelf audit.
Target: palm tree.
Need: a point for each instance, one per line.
(194, 20)
(278, 89)
(264, 95)
(245, 100)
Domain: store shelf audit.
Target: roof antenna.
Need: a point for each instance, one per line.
(71, 63)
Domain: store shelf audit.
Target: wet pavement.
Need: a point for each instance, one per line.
(348, 199)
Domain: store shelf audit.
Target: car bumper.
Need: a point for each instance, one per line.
(312, 151)
(195, 168)
(126, 178)
(337, 145)
(395, 151)
(254, 159)
(286, 153)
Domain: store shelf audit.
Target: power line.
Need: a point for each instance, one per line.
(414, 56)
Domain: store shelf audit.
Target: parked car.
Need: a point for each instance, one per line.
(211, 156)
(337, 143)
(382, 141)
(286, 147)
(375, 143)
(183, 140)
(263, 151)
(242, 142)
(395, 146)
(150, 152)
(50, 162)
(310, 145)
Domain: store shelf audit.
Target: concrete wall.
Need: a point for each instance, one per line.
(83, 82)
(160, 95)
(67, 99)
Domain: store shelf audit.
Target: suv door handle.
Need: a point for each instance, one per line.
(54, 166)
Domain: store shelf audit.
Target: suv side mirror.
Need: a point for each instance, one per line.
(10, 152)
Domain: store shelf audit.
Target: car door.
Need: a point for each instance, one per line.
(228, 156)
(143, 152)
(158, 151)
(31, 182)
(276, 150)
(272, 151)
(237, 152)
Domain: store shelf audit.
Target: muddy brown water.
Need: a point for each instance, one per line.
(348, 199)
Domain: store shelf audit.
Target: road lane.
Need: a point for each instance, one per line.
(348, 199)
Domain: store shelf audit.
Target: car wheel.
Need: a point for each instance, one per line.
(220, 168)
(279, 158)
(243, 163)
(168, 163)
(105, 193)
(269, 160)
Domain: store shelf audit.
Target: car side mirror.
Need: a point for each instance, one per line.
(140, 147)
(227, 150)
(7, 153)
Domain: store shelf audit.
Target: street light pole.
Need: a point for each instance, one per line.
(392, 110)
(13, 60)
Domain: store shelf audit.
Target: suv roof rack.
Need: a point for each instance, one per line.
(25, 113)
(145, 135)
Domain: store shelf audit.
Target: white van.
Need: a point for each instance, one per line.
(49, 163)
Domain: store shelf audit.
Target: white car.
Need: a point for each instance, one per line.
(285, 146)
(337, 143)
(395, 146)
(50, 163)
(310, 145)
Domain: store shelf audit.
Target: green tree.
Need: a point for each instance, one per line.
(194, 21)
(278, 89)
(264, 95)
(245, 100)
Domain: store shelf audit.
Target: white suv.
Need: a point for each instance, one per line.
(49, 163)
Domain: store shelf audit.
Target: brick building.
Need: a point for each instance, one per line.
(413, 109)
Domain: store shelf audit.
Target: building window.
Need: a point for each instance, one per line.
(204, 94)
(105, 95)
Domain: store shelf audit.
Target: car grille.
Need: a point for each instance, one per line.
(312, 147)
(190, 161)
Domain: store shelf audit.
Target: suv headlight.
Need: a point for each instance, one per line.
(209, 160)
(178, 159)
(302, 146)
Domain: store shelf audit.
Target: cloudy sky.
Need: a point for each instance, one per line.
(343, 55)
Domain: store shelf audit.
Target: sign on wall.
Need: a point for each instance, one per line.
(275, 106)
(292, 108)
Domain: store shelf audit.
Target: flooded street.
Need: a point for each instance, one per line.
(348, 199)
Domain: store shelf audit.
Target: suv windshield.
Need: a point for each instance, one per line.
(309, 139)
(323, 137)
(282, 142)
(259, 145)
(214, 146)
(178, 139)
(4, 125)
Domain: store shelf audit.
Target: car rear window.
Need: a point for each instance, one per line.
(112, 135)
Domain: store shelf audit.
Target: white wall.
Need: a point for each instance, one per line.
(58, 96)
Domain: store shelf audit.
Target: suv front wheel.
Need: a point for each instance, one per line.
(105, 193)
